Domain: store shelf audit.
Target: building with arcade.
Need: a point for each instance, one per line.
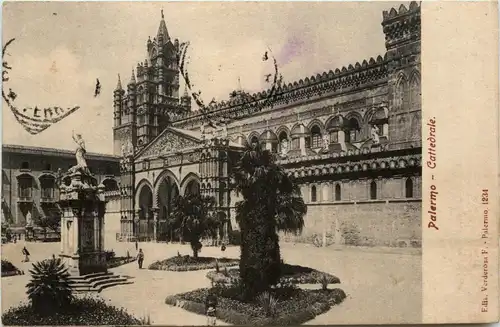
(351, 136)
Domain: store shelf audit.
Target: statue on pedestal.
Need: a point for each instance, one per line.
(284, 148)
(81, 163)
(375, 136)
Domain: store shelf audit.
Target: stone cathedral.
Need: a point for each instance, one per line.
(351, 136)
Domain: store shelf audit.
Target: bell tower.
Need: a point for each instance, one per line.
(402, 29)
(152, 100)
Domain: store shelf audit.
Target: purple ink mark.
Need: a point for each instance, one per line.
(292, 48)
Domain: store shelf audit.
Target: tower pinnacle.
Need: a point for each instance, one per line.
(132, 79)
(119, 85)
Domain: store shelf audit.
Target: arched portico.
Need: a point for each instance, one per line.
(144, 210)
(190, 184)
(166, 191)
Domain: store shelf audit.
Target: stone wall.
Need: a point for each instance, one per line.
(112, 224)
(369, 223)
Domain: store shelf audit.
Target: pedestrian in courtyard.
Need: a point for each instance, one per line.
(140, 258)
(211, 307)
(26, 254)
(136, 245)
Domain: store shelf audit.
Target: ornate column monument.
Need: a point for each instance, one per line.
(82, 222)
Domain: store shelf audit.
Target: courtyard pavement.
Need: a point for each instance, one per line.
(382, 285)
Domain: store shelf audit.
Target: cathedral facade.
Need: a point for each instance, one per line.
(350, 136)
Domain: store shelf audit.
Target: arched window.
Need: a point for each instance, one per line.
(414, 92)
(353, 131)
(25, 186)
(338, 194)
(47, 184)
(409, 188)
(25, 165)
(373, 190)
(316, 137)
(401, 88)
(334, 136)
(283, 138)
(313, 194)
(254, 141)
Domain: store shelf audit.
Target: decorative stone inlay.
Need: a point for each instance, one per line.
(168, 143)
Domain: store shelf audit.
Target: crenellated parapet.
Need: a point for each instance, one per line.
(355, 162)
(345, 79)
(401, 26)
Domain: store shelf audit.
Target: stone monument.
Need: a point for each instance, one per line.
(82, 221)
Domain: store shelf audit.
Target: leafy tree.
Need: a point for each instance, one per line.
(272, 202)
(52, 222)
(195, 216)
(49, 289)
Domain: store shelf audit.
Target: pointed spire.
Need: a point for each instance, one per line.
(239, 84)
(162, 30)
(132, 79)
(119, 85)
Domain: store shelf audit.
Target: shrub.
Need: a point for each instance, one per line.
(350, 233)
(49, 289)
(235, 237)
(323, 280)
(81, 312)
(7, 266)
(279, 307)
(110, 254)
(187, 263)
(290, 274)
(268, 303)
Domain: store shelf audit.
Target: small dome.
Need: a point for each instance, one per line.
(335, 124)
(299, 130)
(268, 136)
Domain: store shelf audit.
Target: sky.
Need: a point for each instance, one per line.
(60, 49)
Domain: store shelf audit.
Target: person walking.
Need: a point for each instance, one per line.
(26, 254)
(140, 258)
(211, 307)
(136, 245)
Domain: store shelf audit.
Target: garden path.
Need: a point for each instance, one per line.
(381, 286)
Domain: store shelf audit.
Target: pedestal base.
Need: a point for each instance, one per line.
(85, 263)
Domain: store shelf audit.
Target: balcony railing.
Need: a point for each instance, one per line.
(47, 199)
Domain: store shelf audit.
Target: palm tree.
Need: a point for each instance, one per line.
(195, 216)
(272, 202)
(49, 289)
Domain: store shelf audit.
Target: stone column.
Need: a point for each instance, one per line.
(385, 129)
(155, 222)
(302, 145)
(341, 136)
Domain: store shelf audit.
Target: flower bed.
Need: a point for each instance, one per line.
(188, 263)
(85, 311)
(8, 269)
(118, 261)
(290, 274)
(292, 306)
